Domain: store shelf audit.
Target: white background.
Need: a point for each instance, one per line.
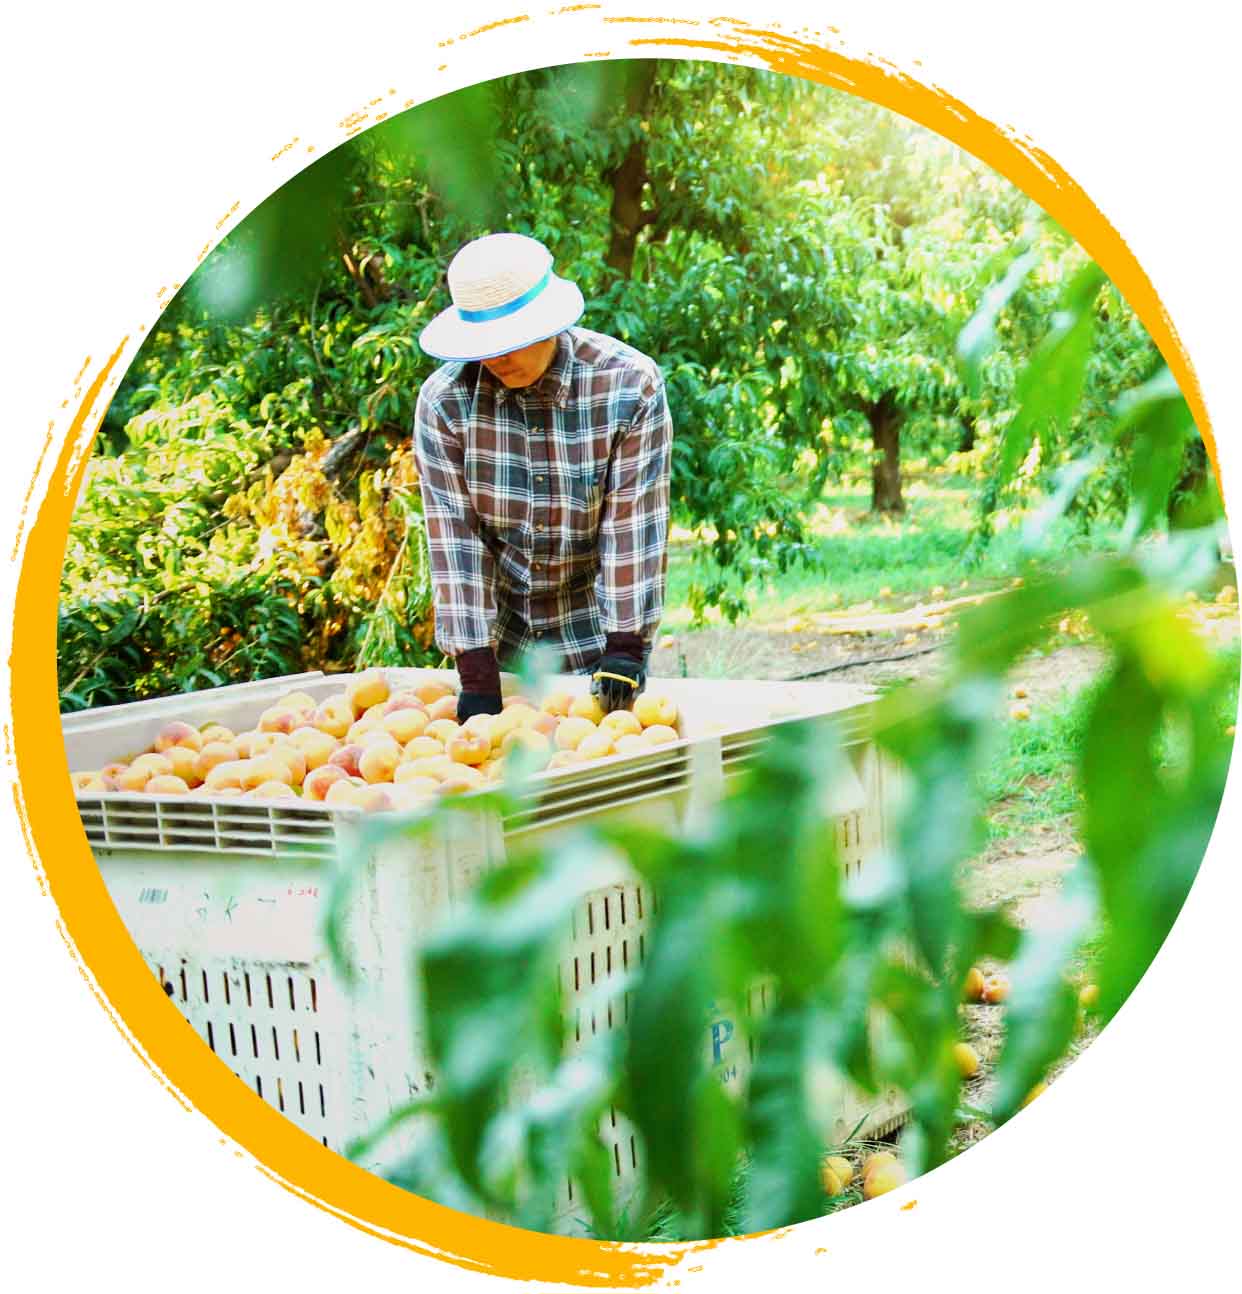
(132, 130)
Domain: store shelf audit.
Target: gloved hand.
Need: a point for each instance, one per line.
(621, 672)
(471, 703)
(480, 684)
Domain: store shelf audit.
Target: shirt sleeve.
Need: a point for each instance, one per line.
(463, 574)
(633, 532)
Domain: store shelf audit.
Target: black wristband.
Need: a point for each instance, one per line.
(479, 671)
(625, 644)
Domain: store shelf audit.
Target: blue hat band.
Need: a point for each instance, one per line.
(509, 307)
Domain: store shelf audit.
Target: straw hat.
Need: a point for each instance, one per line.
(505, 296)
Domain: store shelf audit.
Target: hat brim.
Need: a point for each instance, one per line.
(449, 337)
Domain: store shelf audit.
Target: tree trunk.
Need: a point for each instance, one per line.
(885, 419)
(1191, 480)
(629, 176)
(967, 443)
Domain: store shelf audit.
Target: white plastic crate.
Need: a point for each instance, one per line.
(225, 897)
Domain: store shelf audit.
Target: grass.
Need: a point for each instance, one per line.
(1031, 782)
(868, 559)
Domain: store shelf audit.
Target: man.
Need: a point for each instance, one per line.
(543, 456)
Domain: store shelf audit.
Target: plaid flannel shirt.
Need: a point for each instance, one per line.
(547, 507)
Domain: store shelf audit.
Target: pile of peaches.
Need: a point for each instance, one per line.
(375, 749)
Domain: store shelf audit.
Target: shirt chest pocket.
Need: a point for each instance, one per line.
(500, 494)
(584, 506)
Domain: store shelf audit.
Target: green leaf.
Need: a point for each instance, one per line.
(1049, 388)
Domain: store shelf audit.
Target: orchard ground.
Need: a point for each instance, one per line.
(880, 615)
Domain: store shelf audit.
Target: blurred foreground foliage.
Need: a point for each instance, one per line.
(864, 977)
(799, 262)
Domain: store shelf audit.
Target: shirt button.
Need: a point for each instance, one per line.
(539, 527)
(537, 567)
(538, 480)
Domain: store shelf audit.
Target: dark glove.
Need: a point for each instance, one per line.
(621, 672)
(480, 684)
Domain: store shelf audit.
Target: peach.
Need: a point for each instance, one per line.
(262, 742)
(545, 723)
(318, 780)
(335, 716)
(184, 763)
(570, 732)
(346, 758)
(481, 723)
(878, 1160)
(596, 745)
(463, 779)
(84, 778)
(620, 722)
(153, 763)
(660, 734)
(468, 747)
(842, 1168)
(1088, 996)
(829, 1180)
(89, 784)
(166, 784)
(651, 710)
(523, 715)
(1020, 712)
(344, 794)
(367, 689)
(379, 760)
(500, 727)
(274, 791)
(441, 729)
(564, 759)
(405, 700)
(112, 770)
(300, 702)
(226, 776)
(995, 989)
(277, 719)
(527, 739)
(265, 768)
(587, 707)
(359, 729)
(510, 701)
(888, 1177)
(419, 781)
(437, 767)
(444, 708)
(135, 778)
(558, 703)
(434, 691)
(215, 732)
(405, 725)
(972, 988)
(373, 735)
(966, 1059)
(294, 758)
(243, 741)
(632, 743)
(177, 733)
(315, 745)
(375, 712)
(423, 747)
